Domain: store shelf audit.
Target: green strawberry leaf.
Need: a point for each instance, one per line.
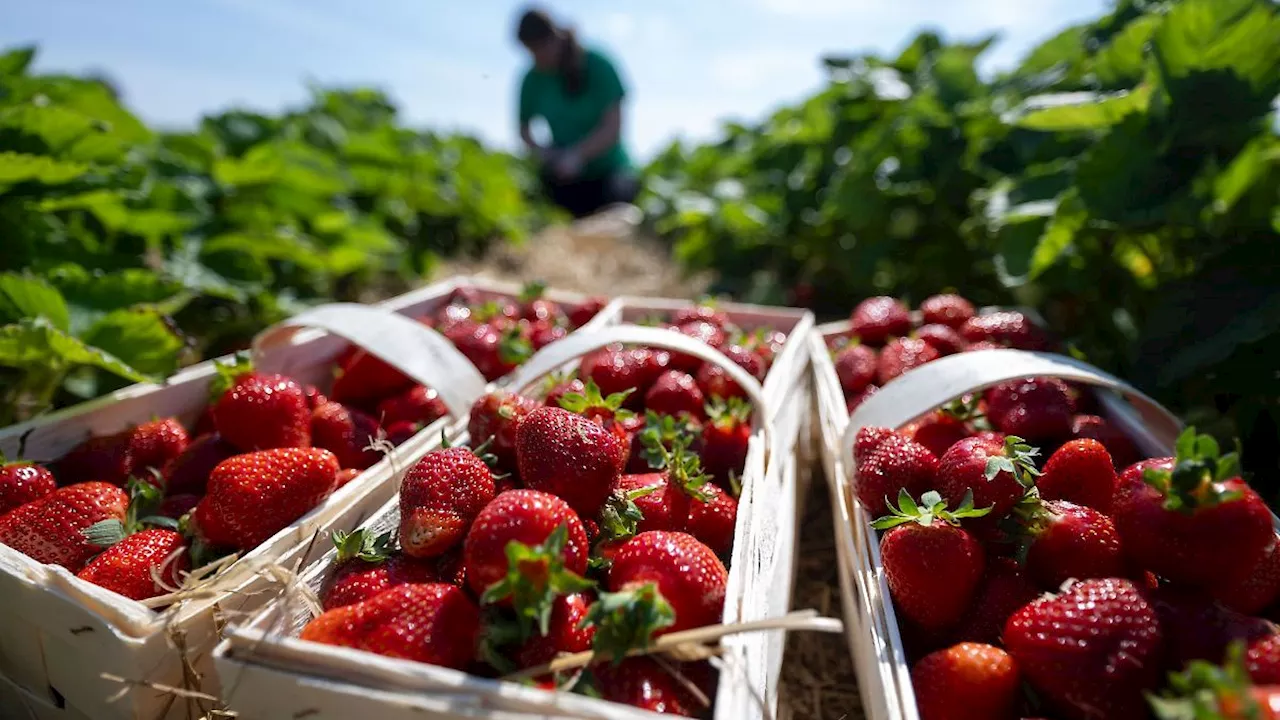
(535, 576)
(1205, 691)
(591, 399)
(627, 620)
(105, 533)
(931, 506)
(227, 373)
(620, 515)
(363, 544)
(1199, 469)
(532, 291)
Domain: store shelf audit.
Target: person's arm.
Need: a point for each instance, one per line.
(526, 112)
(606, 81)
(605, 136)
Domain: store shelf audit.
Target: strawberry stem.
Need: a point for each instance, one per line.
(626, 620)
(1018, 460)
(620, 515)
(535, 576)
(931, 507)
(683, 467)
(664, 431)
(363, 544)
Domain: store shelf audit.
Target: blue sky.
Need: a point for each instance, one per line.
(450, 64)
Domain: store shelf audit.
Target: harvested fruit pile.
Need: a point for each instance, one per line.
(885, 341)
(1086, 578)
(134, 511)
(598, 518)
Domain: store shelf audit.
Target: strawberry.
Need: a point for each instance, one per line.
(663, 430)
(398, 433)
(534, 305)
(188, 473)
(1004, 590)
(175, 506)
(640, 502)
(1008, 329)
(152, 444)
(615, 370)
(253, 496)
(1196, 522)
(1263, 660)
(1206, 690)
(23, 482)
(877, 319)
(715, 382)
(440, 496)
(643, 683)
(947, 310)
(943, 339)
(997, 473)
(709, 333)
(851, 402)
(1080, 471)
(932, 564)
(855, 367)
(366, 378)
(713, 520)
(50, 530)
(703, 311)
(1123, 452)
(419, 404)
(260, 412)
(566, 633)
(675, 392)
(725, 440)
(524, 548)
(347, 433)
(968, 681)
(345, 476)
(494, 352)
(126, 566)
(545, 332)
(582, 313)
(558, 387)
(1256, 589)
(867, 439)
(1064, 540)
(494, 419)
(1195, 627)
(894, 465)
(570, 456)
(944, 427)
(607, 411)
(1090, 652)
(433, 623)
(660, 582)
(105, 458)
(901, 355)
(1039, 409)
(365, 567)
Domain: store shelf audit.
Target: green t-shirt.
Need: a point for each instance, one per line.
(573, 118)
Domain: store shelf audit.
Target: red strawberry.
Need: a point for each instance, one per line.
(686, 574)
(399, 432)
(641, 502)
(1263, 660)
(126, 566)
(440, 496)
(105, 458)
(901, 355)
(948, 310)
(1197, 628)
(713, 520)
(894, 465)
(877, 319)
(260, 412)
(1196, 522)
(534, 305)
(1009, 328)
(616, 370)
(1037, 409)
(1256, 589)
(851, 402)
(347, 433)
(552, 550)
(566, 633)
(188, 473)
(932, 565)
(570, 456)
(152, 444)
(23, 482)
(494, 419)
(419, 404)
(725, 440)
(1004, 590)
(944, 427)
(543, 333)
(175, 506)
(50, 530)
(1090, 652)
(432, 623)
(675, 392)
(715, 382)
(867, 439)
(253, 496)
(1080, 471)
(1123, 452)
(607, 411)
(582, 313)
(642, 683)
(968, 681)
(367, 378)
(559, 387)
(942, 338)
(700, 312)
(493, 351)
(366, 567)
(345, 476)
(709, 333)
(997, 473)
(855, 367)
(1065, 540)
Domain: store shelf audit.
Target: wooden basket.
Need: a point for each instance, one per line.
(269, 672)
(870, 623)
(60, 634)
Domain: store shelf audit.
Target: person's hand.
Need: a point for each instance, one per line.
(546, 156)
(567, 165)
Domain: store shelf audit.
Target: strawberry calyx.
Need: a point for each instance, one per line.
(620, 515)
(664, 431)
(1205, 691)
(228, 373)
(486, 311)
(590, 403)
(627, 620)
(683, 467)
(651, 320)
(966, 409)
(535, 576)
(727, 414)
(531, 291)
(362, 544)
(1017, 459)
(1199, 469)
(144, 502)
(514, 348)
(499, 631)
(931, 507)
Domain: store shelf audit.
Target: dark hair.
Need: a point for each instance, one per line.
(536, 27)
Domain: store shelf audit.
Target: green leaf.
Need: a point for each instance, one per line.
(1251, 165)
(143, 338)
(1068, 219)
(37, 344)
(20, 167)
(1238, 37)
(1080, 111)
(27, 296)
(93, 294)
(1123, 61)
(16, 61)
